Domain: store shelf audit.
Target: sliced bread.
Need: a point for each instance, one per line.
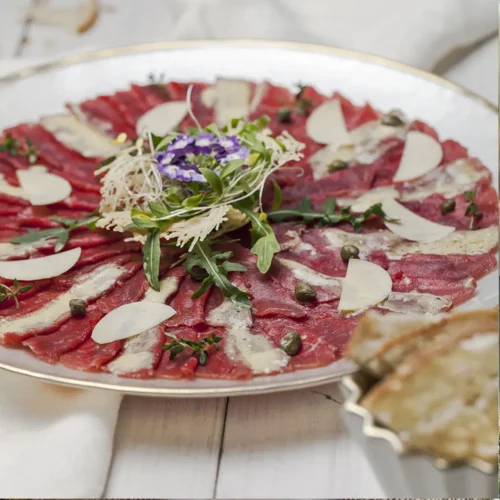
(443, 399)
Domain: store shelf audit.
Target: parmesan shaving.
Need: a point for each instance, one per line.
(197, 228)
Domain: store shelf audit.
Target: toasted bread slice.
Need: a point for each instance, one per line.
(381, 342)
(443, 400)
(376, 329)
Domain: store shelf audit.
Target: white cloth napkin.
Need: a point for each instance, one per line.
(56, 442)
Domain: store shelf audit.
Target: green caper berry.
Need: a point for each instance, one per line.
(349, 252)
(304, 292)
(284, 115)
(448, 206)
(337, 165)
(392, 120)
(291, 343)
(78, 308)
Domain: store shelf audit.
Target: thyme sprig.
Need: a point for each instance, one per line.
(178, 345)
(14, 148)
(328, 215)
(13, 291)
(472, 208)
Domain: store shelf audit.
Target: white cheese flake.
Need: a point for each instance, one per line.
(366, 285)
(129, 320)
(422, 153)
(43, 188)
(232, 100)
(326, 125)
(40, 268)
(411, 226)
(162, 119)
(10, 190)
(78, 135)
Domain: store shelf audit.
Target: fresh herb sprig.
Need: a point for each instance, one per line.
(212, 268)
(158, 83)
(178, 345)
(302, 104)
(60, 234)
(13, 292)
(472, 208)
(328, 215)
(14, 148)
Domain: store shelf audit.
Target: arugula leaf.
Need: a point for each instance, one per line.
(203, 257)
(278, 196)
(61, 234)
(158, 209)
(231, 167)
(192, 201)
(265, 244)
(151, 259)
(213, 179)
(106, 162)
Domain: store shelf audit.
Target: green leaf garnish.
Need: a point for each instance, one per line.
(278, 196)
(12, 146)
(192, 201)
(216, 272)
(61, 234)
(473, 208)
(213, 179)
(328, 216)
(151, 253)
(178, 345)
(13, 291)
(265, 244)
(158, 209)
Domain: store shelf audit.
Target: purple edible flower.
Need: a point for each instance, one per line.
(178, 162)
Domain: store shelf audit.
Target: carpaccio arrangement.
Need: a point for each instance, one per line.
(266, 238)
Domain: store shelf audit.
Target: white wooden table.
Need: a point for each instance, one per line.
(290, 445)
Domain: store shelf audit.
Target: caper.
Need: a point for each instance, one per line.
(304, 292)
(349, 252)
(291, 343)
(337, 165)
(392, 120)
(284, 115)
(448, 206)
(78, 308)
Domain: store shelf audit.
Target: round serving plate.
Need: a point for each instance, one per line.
(455, 112)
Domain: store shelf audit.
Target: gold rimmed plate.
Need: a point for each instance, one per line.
(455, 112)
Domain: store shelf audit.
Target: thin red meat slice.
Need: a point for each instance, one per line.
(101, 112)
(129, 105)
(486, 199)
(77, 169)
(40, 300)
(70, 335)
(78, 330)
(266, 294)
(189, 312)
(91, 356)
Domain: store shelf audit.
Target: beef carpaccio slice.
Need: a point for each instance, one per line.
(427, 277)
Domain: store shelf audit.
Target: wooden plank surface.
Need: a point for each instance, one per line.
(166, 448)
(292, 445)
